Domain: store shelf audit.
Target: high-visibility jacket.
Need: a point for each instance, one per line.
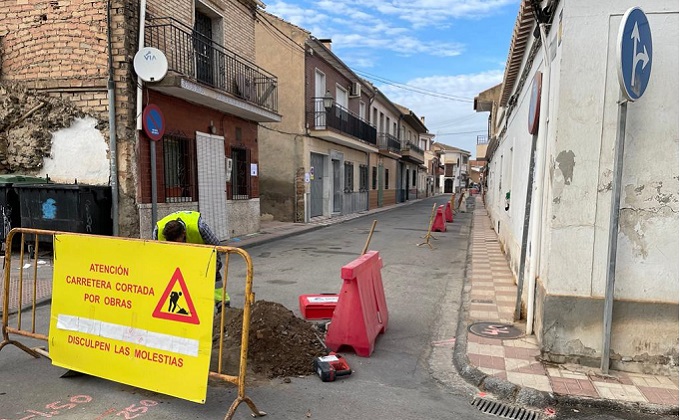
(190, 220)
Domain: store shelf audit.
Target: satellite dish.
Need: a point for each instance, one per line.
(150, 64)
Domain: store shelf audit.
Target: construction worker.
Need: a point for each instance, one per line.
(189, 227)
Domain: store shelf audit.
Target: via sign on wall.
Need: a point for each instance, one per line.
(634, 53)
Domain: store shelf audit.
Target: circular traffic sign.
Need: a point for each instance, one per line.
(535, 103)
(153, 122)
(634, 53)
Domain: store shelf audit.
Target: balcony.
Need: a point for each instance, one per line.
(412, 153)
(204, 72)
(339, 125)
(389, 145)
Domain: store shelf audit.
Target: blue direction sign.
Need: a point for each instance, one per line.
(634, 52)
(153, 122)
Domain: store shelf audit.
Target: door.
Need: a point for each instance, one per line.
(212, 183)
(204, 49)
(337, 187)
(319, 93)
(316, 186)
(400, 182)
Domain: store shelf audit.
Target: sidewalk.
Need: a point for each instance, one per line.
(512, 367)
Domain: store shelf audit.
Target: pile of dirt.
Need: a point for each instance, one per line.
(279, 345)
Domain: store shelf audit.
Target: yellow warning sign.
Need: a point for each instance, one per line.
(177, 300)
(135, 312)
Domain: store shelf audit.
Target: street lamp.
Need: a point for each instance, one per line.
(328, 101)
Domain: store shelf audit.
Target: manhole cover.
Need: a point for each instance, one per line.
(495, 330)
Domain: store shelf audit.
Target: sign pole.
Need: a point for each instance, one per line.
(613, 234)
(153, 123)
(634, 54)
(154, 183)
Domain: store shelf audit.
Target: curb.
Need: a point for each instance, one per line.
(519, 395)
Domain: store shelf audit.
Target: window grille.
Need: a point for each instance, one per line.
(179, 169)
(349, 177)
(363, 178)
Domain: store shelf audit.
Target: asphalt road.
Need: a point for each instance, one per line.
(410, 375)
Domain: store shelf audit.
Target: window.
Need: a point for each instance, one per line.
(179, 169)
(374, 182)
(363, 178)
(240, 174)
(349, 177)
(362, 111)
(387, 179)
(414, 179)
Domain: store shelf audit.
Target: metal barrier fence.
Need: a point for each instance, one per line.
(17, 294)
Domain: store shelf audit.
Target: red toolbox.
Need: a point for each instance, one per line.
(318, 306)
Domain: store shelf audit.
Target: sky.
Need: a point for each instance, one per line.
(450, 49)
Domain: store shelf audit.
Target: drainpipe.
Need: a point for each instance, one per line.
(113, 147)
(536, 225)
(142, 19)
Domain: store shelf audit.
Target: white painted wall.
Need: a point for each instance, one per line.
(647, 268)
(79, 152)
(582, 121)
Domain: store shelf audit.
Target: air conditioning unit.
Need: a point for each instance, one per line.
(355, 91)
(245, 87)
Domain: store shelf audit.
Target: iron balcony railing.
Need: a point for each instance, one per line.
(387, 141)
(192, 54)
(410, 146)
(338, 118)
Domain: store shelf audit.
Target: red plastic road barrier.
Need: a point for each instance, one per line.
(361, 313)
(438, 225)
(448, 213)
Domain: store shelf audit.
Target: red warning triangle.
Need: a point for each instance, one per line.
(191, 317)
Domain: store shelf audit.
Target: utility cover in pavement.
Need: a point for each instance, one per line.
(495, 330)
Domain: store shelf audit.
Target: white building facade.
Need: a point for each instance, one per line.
(563, 276)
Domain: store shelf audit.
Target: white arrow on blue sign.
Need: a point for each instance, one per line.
(634, 52)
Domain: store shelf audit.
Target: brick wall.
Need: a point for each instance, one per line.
(60, 47)
(53, 42)
(238, 22)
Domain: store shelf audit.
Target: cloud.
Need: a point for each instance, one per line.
(395, 26)
(421, 13)
(403, 45)
(415, 13)
(453, 122)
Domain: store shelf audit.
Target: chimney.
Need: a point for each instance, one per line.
(422, 119)
(326, 42)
